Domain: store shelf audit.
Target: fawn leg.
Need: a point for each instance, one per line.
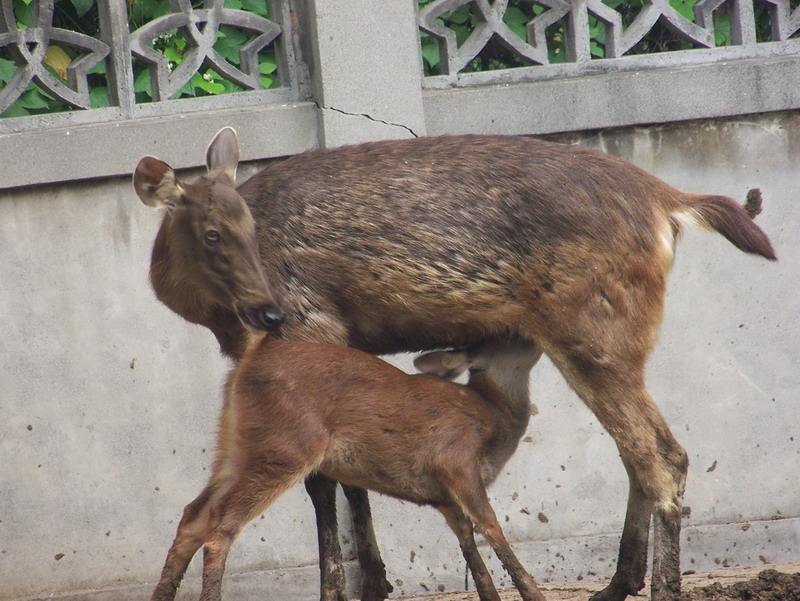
(471, 496)
(192, 531)
(462, 527)
(322, 491)
(241, 501)
(374, 586)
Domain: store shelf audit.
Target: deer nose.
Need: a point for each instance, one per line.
(259, 317)
(269, 320)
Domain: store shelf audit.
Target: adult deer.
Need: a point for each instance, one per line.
(448, 242)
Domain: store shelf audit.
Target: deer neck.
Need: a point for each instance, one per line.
(508, 392)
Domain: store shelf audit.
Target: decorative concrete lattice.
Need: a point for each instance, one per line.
(488, 22)
(199, 27)
(29, 47)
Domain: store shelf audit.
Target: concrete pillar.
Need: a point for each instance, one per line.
(366, 70)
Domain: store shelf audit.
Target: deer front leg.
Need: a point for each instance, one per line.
(374, 586)
(332, 585)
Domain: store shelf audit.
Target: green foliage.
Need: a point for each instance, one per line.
(82, 16)
(521, 12)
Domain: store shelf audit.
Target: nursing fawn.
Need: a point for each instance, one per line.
(293, 409)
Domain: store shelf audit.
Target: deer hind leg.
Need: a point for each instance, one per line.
(656, 466)
(632, 558)
(374, 586)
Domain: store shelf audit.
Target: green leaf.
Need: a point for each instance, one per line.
(211, 87)
(266, 67)
(24, 15)
(430, 52)
(98, 68)
(142, 11)
(462, 33)
(229, 86)
(33, 100)
(142, 83)
(516, 21)
(82, 6)
(233, 4)
(460, 15)
(258, 7)
(266, 82)
(7, 70)
(15, 110)
(99, 97)
(597, 30)
(173, 55)
(229, 42)
(684, 7)
(722, 30)
(186, 90)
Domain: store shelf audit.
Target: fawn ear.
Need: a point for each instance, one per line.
(445, 364)
(223, 153)
(156, 184)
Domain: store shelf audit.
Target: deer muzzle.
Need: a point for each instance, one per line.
(265, 318)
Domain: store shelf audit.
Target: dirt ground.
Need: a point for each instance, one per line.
(765, 583)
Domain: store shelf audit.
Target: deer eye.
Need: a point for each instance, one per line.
(212, 236)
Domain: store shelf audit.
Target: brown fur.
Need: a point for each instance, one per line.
(446, 242)
(295, 408)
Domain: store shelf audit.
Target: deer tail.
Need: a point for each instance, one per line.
(726, 216)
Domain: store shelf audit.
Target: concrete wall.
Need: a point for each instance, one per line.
(108, 401)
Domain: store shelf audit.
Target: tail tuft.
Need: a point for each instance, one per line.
(753, 203)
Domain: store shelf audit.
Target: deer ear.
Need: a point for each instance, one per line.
(156, 184)
(223, 153)
(445, 364)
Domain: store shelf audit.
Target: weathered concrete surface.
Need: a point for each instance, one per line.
(109, 401)
(614, 98)
(582, 590)
(368, 86)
